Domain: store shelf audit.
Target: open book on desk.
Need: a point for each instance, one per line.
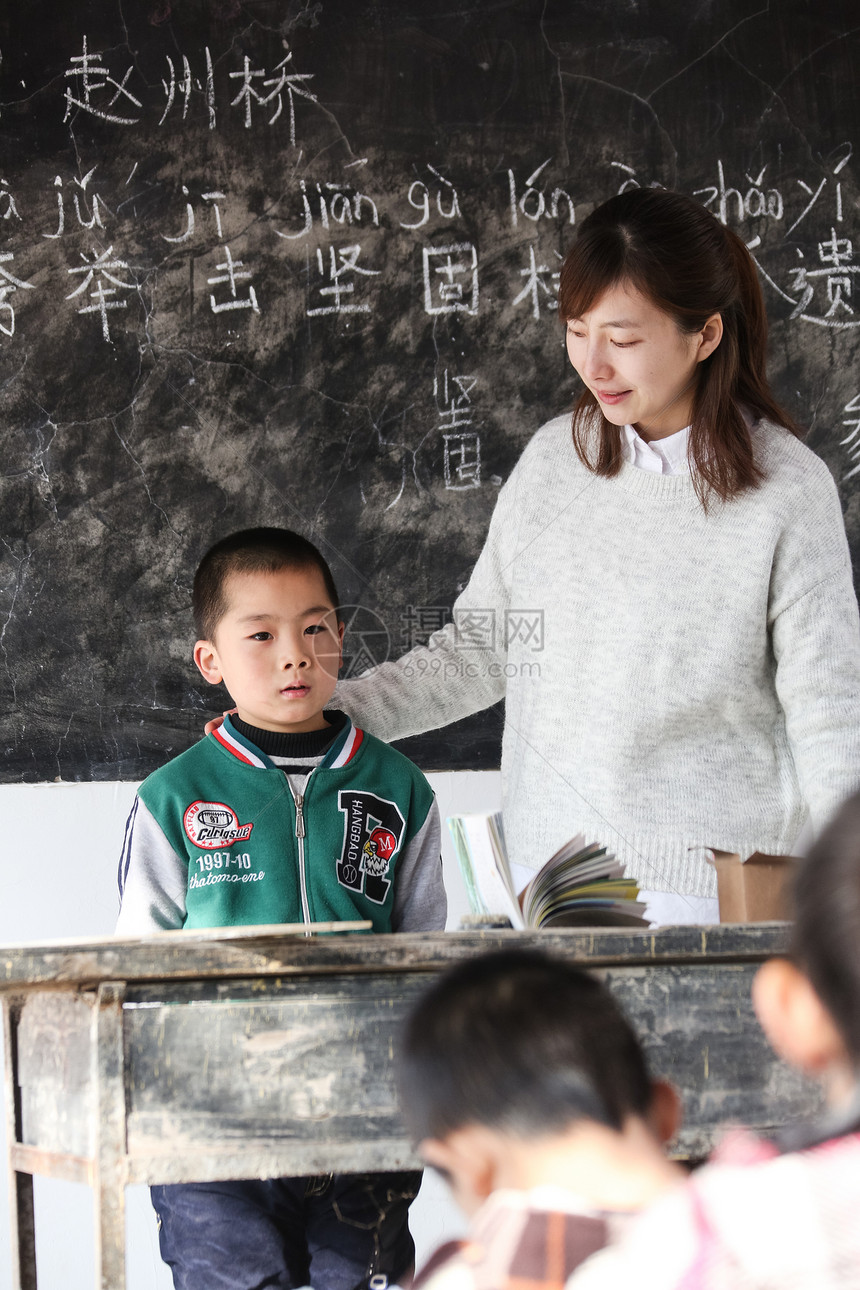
(580, 886)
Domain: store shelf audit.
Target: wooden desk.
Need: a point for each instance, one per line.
(203, 1056)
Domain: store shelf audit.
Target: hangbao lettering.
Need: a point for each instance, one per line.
(356, 827)
(373, 828)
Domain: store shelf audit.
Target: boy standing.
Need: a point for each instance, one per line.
(287, 813)
(526, 1088)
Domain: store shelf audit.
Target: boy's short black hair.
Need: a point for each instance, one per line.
(522, 1043)
(825, 942)
(261, 550)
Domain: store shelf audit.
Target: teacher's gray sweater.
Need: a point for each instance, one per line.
(674, 679)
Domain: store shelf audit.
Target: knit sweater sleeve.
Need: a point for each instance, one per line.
(461, 670)
(816, 643)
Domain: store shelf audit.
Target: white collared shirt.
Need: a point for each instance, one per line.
(666, 456)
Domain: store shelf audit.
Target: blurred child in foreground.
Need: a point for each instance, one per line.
(761, 1215)
(525, 1087)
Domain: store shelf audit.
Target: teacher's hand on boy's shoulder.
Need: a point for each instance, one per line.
(217, 721)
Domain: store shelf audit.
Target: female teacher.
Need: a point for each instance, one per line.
(699, 684)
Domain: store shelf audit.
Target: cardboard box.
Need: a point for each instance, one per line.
(755, 890)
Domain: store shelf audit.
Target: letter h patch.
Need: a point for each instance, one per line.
(372, 831)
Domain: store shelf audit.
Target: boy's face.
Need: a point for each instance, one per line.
(277, 649)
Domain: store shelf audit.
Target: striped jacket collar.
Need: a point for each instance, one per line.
(342, 751)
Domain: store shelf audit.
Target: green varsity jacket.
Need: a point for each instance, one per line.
(219, 838)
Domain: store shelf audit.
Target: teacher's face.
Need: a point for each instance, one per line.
(637, 363)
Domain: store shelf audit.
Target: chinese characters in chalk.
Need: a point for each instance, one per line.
(541, 284)
(451, 279)
(98, 93)
(281, 81)
(101, 269)
(109, 88)
(9, 284)
(827, 291)
(461, 442)
(338, 273)
(852, 440)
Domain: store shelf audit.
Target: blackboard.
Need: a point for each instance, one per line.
(265, 261)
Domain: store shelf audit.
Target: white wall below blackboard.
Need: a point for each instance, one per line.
(58, 864)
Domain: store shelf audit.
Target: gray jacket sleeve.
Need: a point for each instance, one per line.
(152, 878)
(420, 903)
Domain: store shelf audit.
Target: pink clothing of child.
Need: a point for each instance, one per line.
(751, 1219)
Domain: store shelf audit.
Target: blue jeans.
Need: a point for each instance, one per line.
(330, 1232)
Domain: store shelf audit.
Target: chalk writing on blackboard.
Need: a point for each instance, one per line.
(86, 219)
(189, 222)
(336, 272)
(462, 460)
(834, 279)
(99, 91)
(232, 272)
(531, 201)
(818, 285)
(446, 203)
(185, 85)
(821, 290)
(453, 395)
(103, 269)
(462, 443)
(267, 93)
(9, 284)
(852, 439)
(451, 279)
(753, 197)
(281, 79)
(541, 286)
(755, 201)
(228, 281)
(8, 209)
(333, 202)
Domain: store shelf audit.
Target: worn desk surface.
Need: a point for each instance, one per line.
(263, 1052)
(284, 950)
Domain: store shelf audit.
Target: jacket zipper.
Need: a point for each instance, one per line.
(299, 801)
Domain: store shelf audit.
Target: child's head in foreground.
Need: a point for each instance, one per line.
(809, 1002)
(517, 1068)
(265, 609)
